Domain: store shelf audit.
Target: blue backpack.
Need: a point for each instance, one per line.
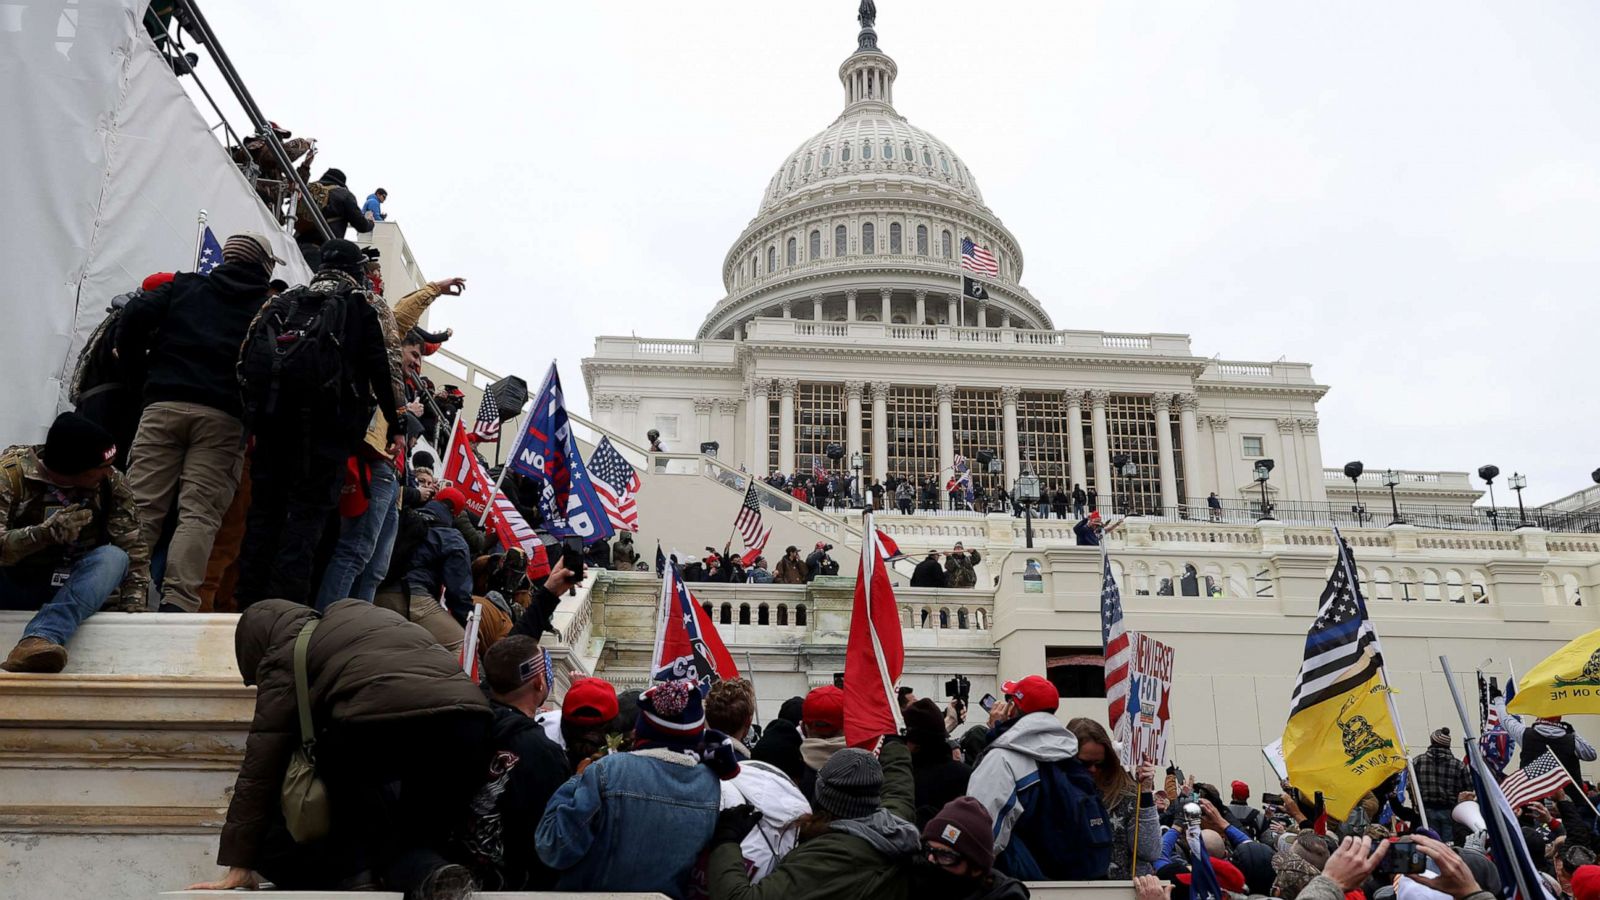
(1063, 833)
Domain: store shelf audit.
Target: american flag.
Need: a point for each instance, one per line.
(749, 525)
(1544, 777)
(819, 472)
(487, 428)
(210, 252)
(978, 260)
(1342, 650)
(1114, 643)
(616, 482)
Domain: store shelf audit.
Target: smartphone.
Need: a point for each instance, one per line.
(572, 556)
(1405, 858)
(987, 703)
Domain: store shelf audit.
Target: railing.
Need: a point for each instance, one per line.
(1125, 341)
(1249, 369)
(667, 347)
(1246, 511)
(776, 328)
(1375, 478)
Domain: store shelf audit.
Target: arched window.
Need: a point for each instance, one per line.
(925, 615)
(792, 252)
(844, 153)
(869, 238)
(888, 149)
(841, 241)
(944, 164)
(866, 149)
(816, 244)
(961, 618)
(754, 270)
(944, 244)
(944, 617)
(895, 246)
(783, 614)
(727, 614)
(922, 240)
(710, 613)
(791, 173)
(800, 615)
(827, 157)
(927, 158)
(772, 260)
(905, 152)
(744, 614)
(763, 615)
(808, 164)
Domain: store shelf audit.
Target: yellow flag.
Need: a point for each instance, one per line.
(1567, 683)
(1343, 746)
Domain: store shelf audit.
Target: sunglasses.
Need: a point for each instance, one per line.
(941, 855)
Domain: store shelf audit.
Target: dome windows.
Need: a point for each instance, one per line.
(927, 158)
(792, 252)
(905, 152)
(869, 238)
(944, 243)
(895, 246)
(816, 244)
(827, 157)
(841, 241)
(844, 153)
(791, 173)
(772, 260)
(866, 149)
(888, 149)
(922, 240)
(808, 164)
(944, 164)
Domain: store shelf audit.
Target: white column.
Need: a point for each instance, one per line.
(1313, 451)
(852, 419)
(816, 307)
(788, 310)
(1290, 483)
(1005, 320)
(954, 309)
(601, 407)
(786, 389)
(947, 436)
(727, 433)
(630, 419)
(1222, 456)
(1008, 426)
(849, 306)
(756, 426)
(1102, 450)
(1162, 406)
(1075, 439)
(880, 429)
(702, 421)
(922, 308)
(884, 295)
(983, 314)
(1194, 491)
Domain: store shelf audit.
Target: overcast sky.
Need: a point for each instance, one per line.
(1403, 194)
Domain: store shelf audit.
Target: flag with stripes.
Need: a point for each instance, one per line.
(616, 482)
(978, 260)
(1544, 777)
(1342, 650)
(1507, 848)
(1118, 657)
(210, 255)
(487, 428)
(749, 525)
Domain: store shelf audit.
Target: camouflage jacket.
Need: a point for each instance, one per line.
(27, 500)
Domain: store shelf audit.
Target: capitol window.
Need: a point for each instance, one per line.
(841, 241)
(869, 238)
(888, 149)
(894, 238)
(827, 157)
(944, 164)
(866, 149)
(927, 158)
(944, 244)
(922, 240)
(772, 260)
(792, 251)
(808, 164)
(791, 172)
(905, 152)
(844, 153)
(1251, 444)
(816, 244)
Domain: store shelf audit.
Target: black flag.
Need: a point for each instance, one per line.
(973, 289)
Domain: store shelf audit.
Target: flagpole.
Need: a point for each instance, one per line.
(498, 482)
(199, 237)
(869, 559)
(661, 617)
(449, 444)
(1414, 786)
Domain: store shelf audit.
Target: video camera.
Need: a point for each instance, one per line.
(959, 688)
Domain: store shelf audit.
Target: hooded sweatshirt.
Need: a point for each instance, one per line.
(1012, 763)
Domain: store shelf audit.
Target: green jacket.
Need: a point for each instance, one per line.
(834, 866)
(27, 501)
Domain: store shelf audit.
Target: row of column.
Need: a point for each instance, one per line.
(760, 393)
(953, 302)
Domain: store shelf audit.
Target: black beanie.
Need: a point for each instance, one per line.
(75, 445)
(343, 255)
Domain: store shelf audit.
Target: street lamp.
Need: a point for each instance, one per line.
(1518, 482)
(1126, 469)
(856, 463)
(1489, 474)
(1352, 471)
(1390, 479)
(1027, 495)
(1263, 472)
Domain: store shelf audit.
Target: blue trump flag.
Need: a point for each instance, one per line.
(547, 453)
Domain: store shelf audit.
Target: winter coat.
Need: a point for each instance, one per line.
(365, 664)
(624, 555)
(759, 576)
(814, 563)
(1122, 829)
(960, 569)
(27, 552)
(441, 562)
(789, 571)
(540, 771)
(631, 822)
(1000, 887)
(927, 574)
(939, 779)
(407, 313)
(765, 787)
(1012, 759)
(181, 340)
(1086, 536)
(374, 206)
(342, 210)
(857, 858)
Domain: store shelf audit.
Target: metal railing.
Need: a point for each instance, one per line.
(1241, 511)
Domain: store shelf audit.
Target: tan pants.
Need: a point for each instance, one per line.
(222, 570)
(192, 453)
(425, 611)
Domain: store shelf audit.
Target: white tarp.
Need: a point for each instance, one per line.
(104, 166)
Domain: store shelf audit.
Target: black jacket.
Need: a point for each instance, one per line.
(928, 575)
(939, 778)
(342, 210)
(441, 560)
(182, 340)
(541, 768)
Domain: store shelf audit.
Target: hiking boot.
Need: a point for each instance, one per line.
(35, 654)
(450, 882)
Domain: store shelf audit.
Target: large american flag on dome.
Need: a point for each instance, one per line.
(978, 260)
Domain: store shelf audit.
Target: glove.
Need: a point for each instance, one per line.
(65, 524)
(734, 823)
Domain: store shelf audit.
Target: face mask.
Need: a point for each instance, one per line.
(936, 883)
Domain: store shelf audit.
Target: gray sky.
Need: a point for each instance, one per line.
(1405, 195)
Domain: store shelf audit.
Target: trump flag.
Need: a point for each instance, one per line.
(547, 454)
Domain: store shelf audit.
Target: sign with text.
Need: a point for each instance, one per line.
(1149, 702)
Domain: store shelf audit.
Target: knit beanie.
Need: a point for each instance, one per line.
(343, 255)
(966, 825)
(792, 709)
(249, 247)
(850, 784)
(1313, 849)
(75, 444)
(671, 715)
(1440, 737)
(925, 723)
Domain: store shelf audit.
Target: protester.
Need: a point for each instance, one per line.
(373, 208)
(437, 565)
(1441, 780)
(1089, 530)
(181, 342)
(588, 712)
(402, 743)
(757, 573)
(69, 539)
(1250, 819)
(959, 565)
(957, 858)
(822, 725)
(99, 389)
(1079, 500)
(940, 778)
(730, 709)
(1550, 733)
(928, 573)
(904, 495)
(518, 686)
(658, 802)
(624, 555)
(1128, 802)
(791, 568)
(818, 562)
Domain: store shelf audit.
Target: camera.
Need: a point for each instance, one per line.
(958, 688)
(1405, 858)
(826, 547)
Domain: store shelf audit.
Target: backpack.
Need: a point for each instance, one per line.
(96, 371)
(291, 359)
(305, 225)
(1063, 833)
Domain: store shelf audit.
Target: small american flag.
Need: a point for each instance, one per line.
(819, 472)
(210, 253)
(615, 481)
(1544, 777)
(748, 522)
(978, 260)
(1114, 642)
(487, 428)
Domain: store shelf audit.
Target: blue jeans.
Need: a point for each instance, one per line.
(63, 609)
(361, 557)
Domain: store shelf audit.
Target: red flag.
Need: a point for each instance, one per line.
(875, 653)
(687, 643)
(462, 469)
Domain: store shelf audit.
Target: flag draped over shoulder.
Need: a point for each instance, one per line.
(1341, 739)
(1567, 683)
(875, 654)
(687, 643)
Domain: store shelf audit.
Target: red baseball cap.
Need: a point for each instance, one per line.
(453, 498)
(1033, 694)
(590, 701)
(1228, 876)
(1586, 883)
(823, 710)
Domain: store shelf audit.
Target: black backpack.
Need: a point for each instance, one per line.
(292, 360)
(1063, 833)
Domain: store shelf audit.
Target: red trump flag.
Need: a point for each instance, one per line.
(875, 654)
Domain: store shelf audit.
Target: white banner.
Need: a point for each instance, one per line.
(1149, 701)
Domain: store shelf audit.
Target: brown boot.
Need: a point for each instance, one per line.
(35, 654)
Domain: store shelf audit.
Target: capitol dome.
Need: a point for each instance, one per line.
(864, 221)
